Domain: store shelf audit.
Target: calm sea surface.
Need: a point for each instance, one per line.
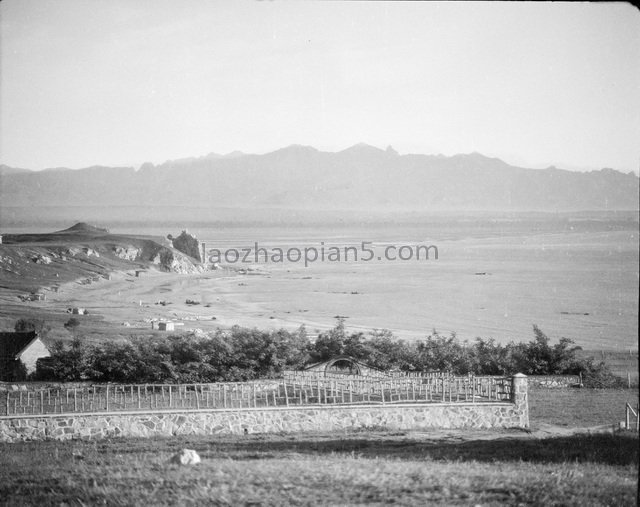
(493, 278)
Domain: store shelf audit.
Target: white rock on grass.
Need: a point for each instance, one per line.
(185, 457)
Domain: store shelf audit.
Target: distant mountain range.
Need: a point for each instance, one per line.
(301, 177)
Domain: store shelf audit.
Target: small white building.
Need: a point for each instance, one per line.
(166, 326)
(25, 348)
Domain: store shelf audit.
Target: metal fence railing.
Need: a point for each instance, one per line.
(295, 389)
(433, 387)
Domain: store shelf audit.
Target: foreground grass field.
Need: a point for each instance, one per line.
(579, 408)
(375, 468)
(439, 467)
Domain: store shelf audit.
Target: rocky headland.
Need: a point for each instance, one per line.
(84, 252)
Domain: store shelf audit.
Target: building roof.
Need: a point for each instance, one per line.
(12, 344)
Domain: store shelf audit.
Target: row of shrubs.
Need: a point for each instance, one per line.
(240, 354)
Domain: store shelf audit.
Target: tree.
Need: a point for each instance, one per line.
(67, 362)
(28, 325)
(385, 352)
(538, 357)
(119, 362)
(490, 358)
(218, 352)
(72, 323)
(439, 353)
(257, 353)
(329, 344)
(293, 348)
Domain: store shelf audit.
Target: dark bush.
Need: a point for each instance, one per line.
(72, 323)
(70, 362)
(27, 325)
(329, 344)
(441, 353)
(241, 354)
(490, 358)
(235, 355)
(538, 357)
(599, 376)
(14, 371)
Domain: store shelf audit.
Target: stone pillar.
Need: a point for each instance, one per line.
(520, 397)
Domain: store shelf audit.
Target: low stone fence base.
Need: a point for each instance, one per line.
(553, 381)
(321, 418)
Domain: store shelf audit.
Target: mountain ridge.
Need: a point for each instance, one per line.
(359, 177)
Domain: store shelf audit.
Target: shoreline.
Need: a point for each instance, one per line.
(584, 289)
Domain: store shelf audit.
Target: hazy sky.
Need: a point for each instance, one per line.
(87, 82)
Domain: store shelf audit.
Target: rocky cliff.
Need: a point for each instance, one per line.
(188, 244)
(31, 261)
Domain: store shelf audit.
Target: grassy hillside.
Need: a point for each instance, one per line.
(30, 262)
(82, 254)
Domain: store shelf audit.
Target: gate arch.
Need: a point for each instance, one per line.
(343, 364)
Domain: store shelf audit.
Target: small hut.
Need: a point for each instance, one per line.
(25, 348)
(166, 326)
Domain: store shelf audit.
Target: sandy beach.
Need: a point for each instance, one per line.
(493, 288)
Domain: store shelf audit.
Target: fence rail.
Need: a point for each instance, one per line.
(292, 390)
(437, 386)
(629, 413)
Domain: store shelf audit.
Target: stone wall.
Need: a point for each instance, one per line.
(553, 381)
(322, 418)
(274, 419)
